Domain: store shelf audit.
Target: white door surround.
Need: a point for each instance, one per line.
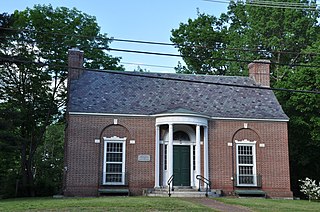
(181, 123)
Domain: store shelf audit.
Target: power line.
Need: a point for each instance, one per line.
(148, 65)
(213, 58)
(206, 82)
(142, 42)
(172, 55)
(177, 55)
(111, 39)
(284, 5)
(2, 59)
(272, 4)
(209, 48)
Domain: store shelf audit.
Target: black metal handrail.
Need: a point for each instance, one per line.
(204, 180)
(169, 182)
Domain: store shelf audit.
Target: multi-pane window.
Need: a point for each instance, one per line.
(165, 156)
(246, 167)
(194, 157)
(180, 136)
(114, 161)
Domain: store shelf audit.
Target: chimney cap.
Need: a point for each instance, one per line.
(261, 61)
(75, 49)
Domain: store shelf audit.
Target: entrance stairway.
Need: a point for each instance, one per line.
(181, 191)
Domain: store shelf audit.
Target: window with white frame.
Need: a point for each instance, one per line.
(114, 161)
(165, 156)
(246, 163)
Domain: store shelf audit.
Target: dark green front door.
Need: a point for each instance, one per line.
(181, 165)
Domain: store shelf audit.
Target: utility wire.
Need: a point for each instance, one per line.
(213, 58)
(160, 77)
(147, 65)
(205, 82)
(178, 55)
(156, 43)
(279, 3)
(142, 42)
(173, 55)
(272, 4)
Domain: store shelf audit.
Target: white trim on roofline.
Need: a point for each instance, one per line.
(179, 114)
(249, 119)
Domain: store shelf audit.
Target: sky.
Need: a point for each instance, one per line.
(145, 20)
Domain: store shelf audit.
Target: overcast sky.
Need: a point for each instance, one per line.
(145, 20)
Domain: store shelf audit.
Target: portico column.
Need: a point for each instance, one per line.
(198, 158)
(157, 159)
(205, 148)
(170, 152)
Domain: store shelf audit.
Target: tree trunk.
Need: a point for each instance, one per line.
(27, 173)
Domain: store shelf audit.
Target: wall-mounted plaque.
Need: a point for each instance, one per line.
(144, 158)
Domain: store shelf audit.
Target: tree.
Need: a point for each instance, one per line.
(199, 42)
(33, 73)
(225, 45)
(9, 152)
(304, 124)
(49, 161)
(276, 34)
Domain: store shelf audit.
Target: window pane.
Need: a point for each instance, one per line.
(114, 178)
(245, 170)
(245, 160)
(181, 136)
(114, 157)
(245, 179)
(114, 168)
(165, 156)
(244, 150)
(194, 157)
(114, 147)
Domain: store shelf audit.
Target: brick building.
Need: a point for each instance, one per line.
(135, 130)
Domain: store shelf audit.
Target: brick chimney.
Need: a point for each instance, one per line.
(75, 63)
(259, 70)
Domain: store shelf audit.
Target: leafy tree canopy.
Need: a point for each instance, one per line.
(33, 72)
(225, 45)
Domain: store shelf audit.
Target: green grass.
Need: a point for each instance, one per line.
(100, 204)
(257, 204)
(138, 204)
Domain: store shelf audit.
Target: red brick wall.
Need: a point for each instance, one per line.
(84, 158)
(272, 160)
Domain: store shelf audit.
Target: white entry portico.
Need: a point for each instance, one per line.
(180, 130)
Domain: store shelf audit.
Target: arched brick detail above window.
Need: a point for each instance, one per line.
(115, 130)
(246, 134)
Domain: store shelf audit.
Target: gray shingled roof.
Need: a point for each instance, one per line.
(137, 93)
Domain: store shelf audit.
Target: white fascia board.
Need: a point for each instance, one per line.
(107, 114)
(248, 119)
(177, 114)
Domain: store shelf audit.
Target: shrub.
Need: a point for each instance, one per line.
(310, 188)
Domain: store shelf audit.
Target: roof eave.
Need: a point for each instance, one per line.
(180, 114)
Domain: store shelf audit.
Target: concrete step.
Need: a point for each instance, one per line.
(182, 193)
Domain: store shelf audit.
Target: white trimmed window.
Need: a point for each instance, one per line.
(114, 161)
(246, 163)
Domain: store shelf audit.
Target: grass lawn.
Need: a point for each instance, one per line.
(257, 204)
(138, 204)
(101, 204)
